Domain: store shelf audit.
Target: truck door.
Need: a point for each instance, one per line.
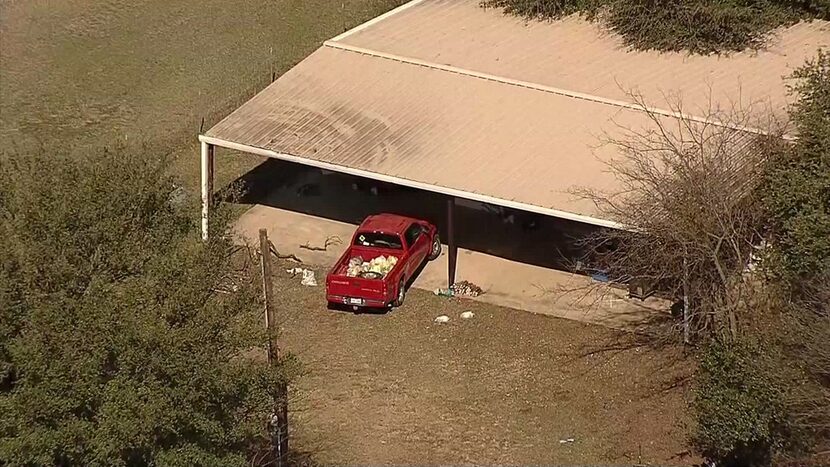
(417, 242)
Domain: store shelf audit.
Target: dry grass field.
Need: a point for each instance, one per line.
(79, 74)
(503, 388)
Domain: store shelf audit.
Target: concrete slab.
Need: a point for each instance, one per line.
(506, 282)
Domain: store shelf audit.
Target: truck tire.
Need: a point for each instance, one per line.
(401, 294)
(435, 251)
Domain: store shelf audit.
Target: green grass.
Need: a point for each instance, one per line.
(76, 74)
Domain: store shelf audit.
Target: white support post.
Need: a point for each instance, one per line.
(207, 185)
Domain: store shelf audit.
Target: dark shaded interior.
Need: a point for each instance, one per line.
(515, 235)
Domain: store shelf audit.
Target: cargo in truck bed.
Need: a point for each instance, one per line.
(385, 253)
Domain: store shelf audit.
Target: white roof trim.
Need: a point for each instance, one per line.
(378, 19)
(412, 183)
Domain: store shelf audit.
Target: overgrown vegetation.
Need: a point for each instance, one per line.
(700, 26)
(740, 404)
(689, 198)
(798, 184)
(797, 197)
(736, 225)
(124, 339)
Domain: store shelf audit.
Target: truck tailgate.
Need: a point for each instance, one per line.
(344, 288)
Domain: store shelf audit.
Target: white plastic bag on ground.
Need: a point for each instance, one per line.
(442, 319)
(308, 278)
(467, 315)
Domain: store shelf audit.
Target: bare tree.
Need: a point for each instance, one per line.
(690, 202)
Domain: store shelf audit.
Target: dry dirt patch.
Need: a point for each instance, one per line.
(501, 388)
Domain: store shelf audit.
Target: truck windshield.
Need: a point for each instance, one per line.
(378, 240)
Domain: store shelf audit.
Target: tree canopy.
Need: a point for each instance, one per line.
(700, 26)
(797, 197)
(736, 227)
(798, 183)
(124, 339)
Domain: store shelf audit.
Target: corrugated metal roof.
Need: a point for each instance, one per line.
(483, 138)
(580, 56)
(436, 128)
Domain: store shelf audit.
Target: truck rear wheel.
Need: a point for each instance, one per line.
(401, 294)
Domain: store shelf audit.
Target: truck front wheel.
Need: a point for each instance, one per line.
(435, 251)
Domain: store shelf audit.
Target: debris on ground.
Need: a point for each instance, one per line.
(380, 266)
(279, 255)
(600, 276)
(466, 289)
(467, 315)
(566, 441)
(230, 284)
(332, 240)
(460, 289)
(308, 276)
(309, 279)
(442, 319)
(178, 196)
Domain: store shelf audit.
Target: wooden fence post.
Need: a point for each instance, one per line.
(279, 428)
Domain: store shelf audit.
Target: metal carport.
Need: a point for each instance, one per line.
(400, 100)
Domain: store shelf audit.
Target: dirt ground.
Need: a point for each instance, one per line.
(505, 387)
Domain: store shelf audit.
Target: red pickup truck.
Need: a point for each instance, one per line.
(385, 252)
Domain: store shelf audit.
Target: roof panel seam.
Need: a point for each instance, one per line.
(540, 87)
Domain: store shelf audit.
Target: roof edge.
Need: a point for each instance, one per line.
(375, 20)
(413, 183)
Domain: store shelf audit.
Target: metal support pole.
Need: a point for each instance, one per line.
(452, 248)
(207, 185)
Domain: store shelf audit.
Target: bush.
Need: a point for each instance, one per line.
(798, 184)
(797, 197)
(740, 405)
(115, 347)
(700, 26)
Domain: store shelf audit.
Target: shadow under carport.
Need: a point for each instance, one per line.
(514, 235)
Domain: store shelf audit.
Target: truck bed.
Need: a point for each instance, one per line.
(370, 292)
(367, 255)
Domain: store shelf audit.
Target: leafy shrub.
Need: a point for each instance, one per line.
(543, 9)
(797, 196)
(739, 404)
(700, 26)
(115, 347)
(798, 185)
